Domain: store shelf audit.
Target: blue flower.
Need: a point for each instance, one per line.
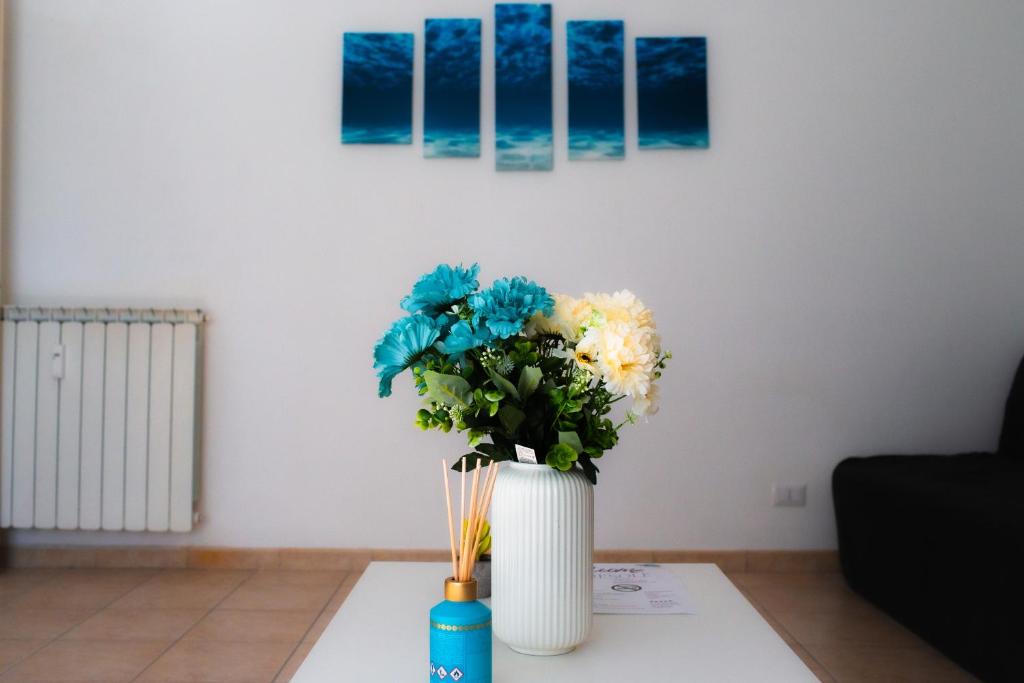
(438, 290)
(508, 304)
(462, 338)
(401, 346)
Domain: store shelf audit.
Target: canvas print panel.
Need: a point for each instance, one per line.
(672, 92)
(376, 92)
(451, 103)
(596, 107)
(522, 56)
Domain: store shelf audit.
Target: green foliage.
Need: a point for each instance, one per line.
(561, 456)
(451, 390)
(503, 384)
(529, 380)
(572, 440)
(518, 391)
(511, 417)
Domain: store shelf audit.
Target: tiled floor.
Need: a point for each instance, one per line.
(223, 625)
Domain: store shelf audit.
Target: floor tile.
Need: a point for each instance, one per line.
(257, 626)
(184, 589)
(294, 662)
(165, 625)
(22, 623)
(278, 597)
(82, 589)
(17, 581)
(839, 628)
(215, 662)
(853, 663)
(65, 660)
(803, 593)
(13, 651)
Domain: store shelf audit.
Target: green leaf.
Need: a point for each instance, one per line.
(590, 470)
(529, 380)
(511, 417)
(503, 384)
(571, 439)
(494, 396)
(593, 451)
(490, 449)
(561, 456)
(492, 409)
(451, 390)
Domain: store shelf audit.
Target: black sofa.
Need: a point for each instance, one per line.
(937, 541)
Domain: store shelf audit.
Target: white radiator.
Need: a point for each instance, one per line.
(98, 418)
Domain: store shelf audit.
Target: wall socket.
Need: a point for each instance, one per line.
(789, 495)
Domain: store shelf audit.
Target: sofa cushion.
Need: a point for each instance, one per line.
(969, 486)
(1011, 442)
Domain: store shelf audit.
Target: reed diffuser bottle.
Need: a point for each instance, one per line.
(460, 636)
(460, 626)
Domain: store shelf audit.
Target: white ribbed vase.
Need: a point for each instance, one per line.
(542, 523)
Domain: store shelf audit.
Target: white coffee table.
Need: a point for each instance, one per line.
(381, 634)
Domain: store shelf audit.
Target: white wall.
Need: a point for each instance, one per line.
(840, 274)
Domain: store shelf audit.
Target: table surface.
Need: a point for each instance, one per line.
(381, 633)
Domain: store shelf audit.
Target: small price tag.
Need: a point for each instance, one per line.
(524, 454)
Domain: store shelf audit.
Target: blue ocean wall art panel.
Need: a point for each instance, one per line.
(522, 67)
(596, 102)
(451, 88)
(672, 92)
(376, 91)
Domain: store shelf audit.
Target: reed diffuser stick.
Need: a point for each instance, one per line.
(465, 567)
(462, 510)
(451, 527)
(485, 504)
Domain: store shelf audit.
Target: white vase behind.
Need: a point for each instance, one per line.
(542, 526)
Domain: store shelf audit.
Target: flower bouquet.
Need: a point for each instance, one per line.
(513, 365)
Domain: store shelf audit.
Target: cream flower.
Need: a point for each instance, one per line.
(648, 404)
(621, 306)
(568, 320)
(587, 350)
(624, 358)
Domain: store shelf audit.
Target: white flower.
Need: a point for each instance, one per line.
(569, 318)
(588, 349)
(623, 356)
(648, 403)
(621, 306)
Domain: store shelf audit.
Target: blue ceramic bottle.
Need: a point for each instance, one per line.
(460, 636)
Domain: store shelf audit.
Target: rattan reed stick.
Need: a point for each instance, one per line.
(465, 567)
(485, 504)
(462, 511)
(451, 526)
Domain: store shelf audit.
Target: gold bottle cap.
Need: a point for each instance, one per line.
(459, 591)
